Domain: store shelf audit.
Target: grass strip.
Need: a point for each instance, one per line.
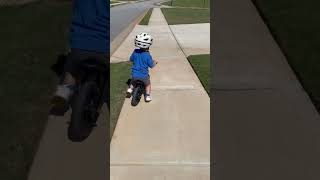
(146, 18)
(119, 74)
(186, 16)
(32, 36)
(189, 3)
(201, 65)
(298, 38)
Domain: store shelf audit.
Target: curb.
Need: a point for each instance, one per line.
(125, 2)
(124, 34)
(138, 1)
(118, 4)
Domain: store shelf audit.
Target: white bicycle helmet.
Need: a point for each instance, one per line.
(143, 40)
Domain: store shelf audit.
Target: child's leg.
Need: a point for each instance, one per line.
(148, 89)
(129, 90)
(65, 90)
(69, 79)
(60, 100)
(130, 83)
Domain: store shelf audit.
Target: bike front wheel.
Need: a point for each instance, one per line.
(136, 96)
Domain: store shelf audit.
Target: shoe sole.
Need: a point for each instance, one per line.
(58, 106)
(128, 95)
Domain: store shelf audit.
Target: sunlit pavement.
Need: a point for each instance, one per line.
(168, 138)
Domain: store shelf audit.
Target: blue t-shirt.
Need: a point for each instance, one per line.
(142, 61)
(90, 25)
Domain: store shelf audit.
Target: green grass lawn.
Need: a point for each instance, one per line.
(186, 16)
(146, 18)
(201, 65)
(189, 3)
(31, 38)
(119, 74)
(295, 26)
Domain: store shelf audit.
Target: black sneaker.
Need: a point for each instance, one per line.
(59, 106)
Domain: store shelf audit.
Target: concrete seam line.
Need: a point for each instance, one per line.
(244, 89)
(193, 164)
(174, 36)
(120, 59)
(178, 87)
(172, 90)
(115, 44)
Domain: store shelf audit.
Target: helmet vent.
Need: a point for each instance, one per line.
(143, 40)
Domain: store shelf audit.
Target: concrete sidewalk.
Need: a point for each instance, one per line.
(168, 138)
(264, 124)
(193, 38)
(60, 159)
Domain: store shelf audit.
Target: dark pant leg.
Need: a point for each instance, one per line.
(73, 66)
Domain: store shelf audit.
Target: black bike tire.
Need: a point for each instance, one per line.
(135, 96)
(78, 129)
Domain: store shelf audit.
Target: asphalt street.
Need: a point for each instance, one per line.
(123, 15)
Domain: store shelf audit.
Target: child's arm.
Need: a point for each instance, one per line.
(152, 62)
(131, 58)
(155, 62)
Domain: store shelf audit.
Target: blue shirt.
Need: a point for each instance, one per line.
(142, 61)
(90, 25)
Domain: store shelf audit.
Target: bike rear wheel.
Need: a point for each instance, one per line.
(84, 112)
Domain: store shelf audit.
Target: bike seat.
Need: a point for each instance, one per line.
(138, 82)
(58, 67)
(93, 64)
(128, 81)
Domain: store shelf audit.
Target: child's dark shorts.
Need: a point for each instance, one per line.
(77, 55)
(146, 80)
(74, 59)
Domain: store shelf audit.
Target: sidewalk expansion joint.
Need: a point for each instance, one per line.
(278, 89)
(163, 164)
(175, 89)
(242, 89)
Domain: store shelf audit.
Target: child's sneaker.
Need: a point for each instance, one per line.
(59, 106)
(129, 92)
(148, 98)
(60, 101)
